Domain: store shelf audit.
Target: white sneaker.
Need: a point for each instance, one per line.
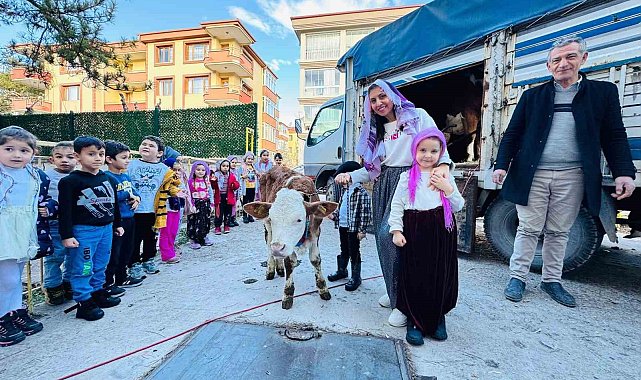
(384, 301)
(397, 319)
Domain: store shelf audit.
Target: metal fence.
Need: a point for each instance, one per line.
(198, 132)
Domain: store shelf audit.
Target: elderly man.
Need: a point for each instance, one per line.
(552, 149)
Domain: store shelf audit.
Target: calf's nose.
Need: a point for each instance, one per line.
(278, 248)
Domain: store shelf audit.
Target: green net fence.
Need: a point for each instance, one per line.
(198, 132)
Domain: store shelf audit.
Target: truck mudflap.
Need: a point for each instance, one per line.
(608, 216)
(466, 218)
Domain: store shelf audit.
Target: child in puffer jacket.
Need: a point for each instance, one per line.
(225, 185)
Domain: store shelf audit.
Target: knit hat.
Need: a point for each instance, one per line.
(170, 162)
(347, 167)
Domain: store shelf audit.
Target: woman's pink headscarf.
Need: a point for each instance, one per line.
(415, 172)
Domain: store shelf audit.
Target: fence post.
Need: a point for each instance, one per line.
(72, 126)
(255, 139)
(155, 122)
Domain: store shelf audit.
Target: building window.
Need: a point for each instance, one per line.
(355, 35)
(270, 81)
(323, 46)
(197, 52)
(270, 107)
(197, 85)
(165, 87)
(323, 82)
(165, 54)
(72, 93)
(310, 113)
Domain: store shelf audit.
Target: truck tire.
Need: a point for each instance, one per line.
(330, 190)
(501, 221)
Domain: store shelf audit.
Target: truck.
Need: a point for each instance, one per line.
(473, 62)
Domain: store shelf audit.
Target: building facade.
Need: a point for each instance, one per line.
(324, 38)
(210, 65)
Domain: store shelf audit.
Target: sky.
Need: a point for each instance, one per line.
(267, 20)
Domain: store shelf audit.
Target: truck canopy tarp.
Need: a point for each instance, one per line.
(441, 25)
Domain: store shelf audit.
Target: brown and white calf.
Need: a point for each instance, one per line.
(292, 213)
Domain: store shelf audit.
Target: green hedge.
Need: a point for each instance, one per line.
(198, 132)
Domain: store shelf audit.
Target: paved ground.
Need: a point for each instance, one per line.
(490, 338)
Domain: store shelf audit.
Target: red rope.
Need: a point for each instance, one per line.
(193, 329)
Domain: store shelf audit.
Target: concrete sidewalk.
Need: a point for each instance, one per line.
(490, 338)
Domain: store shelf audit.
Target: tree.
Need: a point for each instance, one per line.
(66, 33)
(10, 90)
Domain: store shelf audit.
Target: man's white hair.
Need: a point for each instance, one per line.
(565, 41)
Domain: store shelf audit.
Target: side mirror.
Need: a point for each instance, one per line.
(298, 126)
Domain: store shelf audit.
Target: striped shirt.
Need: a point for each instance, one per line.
(561, 150)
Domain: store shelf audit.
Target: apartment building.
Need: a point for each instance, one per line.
(323, 39)
(210, 65)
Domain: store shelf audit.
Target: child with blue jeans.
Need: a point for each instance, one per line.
(57, 287)
(19, 190)
(89, 217)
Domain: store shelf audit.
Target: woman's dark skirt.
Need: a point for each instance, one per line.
(388, 255)
(428, 278)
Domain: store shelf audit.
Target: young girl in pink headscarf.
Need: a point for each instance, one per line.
(423, 226)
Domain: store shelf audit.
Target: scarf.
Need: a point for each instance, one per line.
(415, 173)
(373, 151)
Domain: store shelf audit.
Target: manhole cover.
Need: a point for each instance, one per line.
(239, 351)
(297, 334)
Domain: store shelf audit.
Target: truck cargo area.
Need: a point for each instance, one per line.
(454, 100)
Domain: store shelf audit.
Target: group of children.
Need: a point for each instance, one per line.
(89, 224)
(92, 223)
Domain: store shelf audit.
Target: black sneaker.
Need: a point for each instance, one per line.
(55, 296)
(68, 291)
(115, 291)
(103, 299)
(88, 310)
(560, 295)
(514, 290)
(9, 334)
(131, 282)
(22, 320)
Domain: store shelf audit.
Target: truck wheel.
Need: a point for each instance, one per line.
(501, 221)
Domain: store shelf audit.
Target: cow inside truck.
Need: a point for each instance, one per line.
(454, 100)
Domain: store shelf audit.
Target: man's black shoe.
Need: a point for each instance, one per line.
(514, 290)
(560, 295)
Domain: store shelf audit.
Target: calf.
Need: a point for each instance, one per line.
(292, 213)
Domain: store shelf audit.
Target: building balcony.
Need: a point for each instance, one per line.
(136, 77)
(229, 31)
(225, 96)
(20, 105)
(117, 107)
(19, 74)
(229, 61)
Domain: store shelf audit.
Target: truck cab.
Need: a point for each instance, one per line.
(324, 144)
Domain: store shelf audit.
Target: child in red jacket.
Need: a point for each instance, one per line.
(225, 185)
